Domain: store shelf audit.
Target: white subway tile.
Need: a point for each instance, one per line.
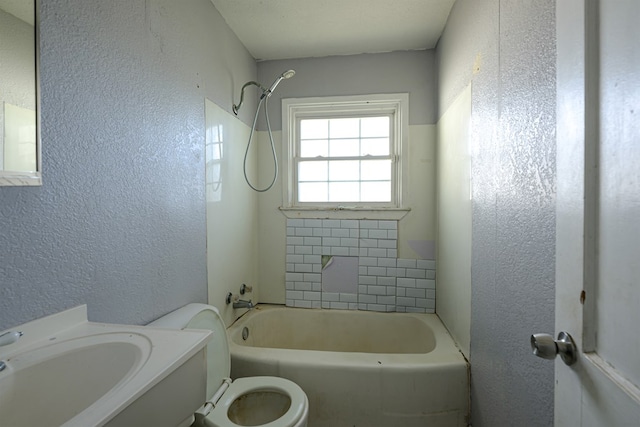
(304, 250)
(406, 282)
(387, 262)
(312, 277)
(295, 222)
(339, 251)
(331, 223)
(368, 243)
(339, 305)
(290, 267)
(387, 244)
(354, 233)
(295, 240)
(293, 277)
(302, 304)
(303, 268)
(387, 300)
(377, 290)
(311, 259)
(349, 223)
(431, 294)
(387, 281)
(330, 296)
(313, 241)
(313, 223)
(295, 294)
(348, 297)
(303, 286)
(366, 299)
(312, 296)
(430, 274)
(348, 242)
(303, 231)
(354, 252)
(406, 302)
(330, 241)
(339, 232)
(368, 280)
(371, 224)
(416, 293)
(416, 273)
(407, 263)
(377, 234)
(377, 271)
(392, 234)
(392, 253)
(388, 225)
(295, 258)
(291, 231)
(364, 233)
(377, 252)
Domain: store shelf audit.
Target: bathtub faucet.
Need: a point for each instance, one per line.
(243, 304)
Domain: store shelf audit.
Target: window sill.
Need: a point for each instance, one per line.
(345, 213)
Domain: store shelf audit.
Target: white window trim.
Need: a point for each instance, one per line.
(294, 108)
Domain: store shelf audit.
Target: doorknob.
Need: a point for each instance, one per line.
(543, 345)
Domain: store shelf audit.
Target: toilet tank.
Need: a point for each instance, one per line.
(203, 316)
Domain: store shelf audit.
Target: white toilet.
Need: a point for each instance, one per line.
(253, 401)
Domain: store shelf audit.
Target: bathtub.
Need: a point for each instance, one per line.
(358, 369)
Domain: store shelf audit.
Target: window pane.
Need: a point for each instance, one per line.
(344, 147)
(313, 192)
(312, 171)
(375, 147)
(314, 129)
(314, 148)
(375, 191)
(344, 170)
(376, 170)
(375, 126)
(344, 128)
(344, 191)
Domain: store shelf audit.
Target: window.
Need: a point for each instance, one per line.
(344, 151)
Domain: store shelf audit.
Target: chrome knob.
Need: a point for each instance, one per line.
(543, 345)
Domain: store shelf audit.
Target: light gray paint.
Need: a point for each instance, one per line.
(507, 49)
(395, 72)
(119, 223)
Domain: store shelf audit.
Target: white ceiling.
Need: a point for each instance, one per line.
(280, 29)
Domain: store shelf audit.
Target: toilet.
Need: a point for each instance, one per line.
(252, 401)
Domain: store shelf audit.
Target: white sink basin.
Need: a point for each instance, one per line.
(68, 371)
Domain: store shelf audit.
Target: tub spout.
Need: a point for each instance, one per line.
(243, 304)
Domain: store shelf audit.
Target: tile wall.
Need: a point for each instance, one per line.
(382, 281)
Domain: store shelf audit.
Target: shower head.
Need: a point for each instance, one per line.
(286, 75)
(265, 92)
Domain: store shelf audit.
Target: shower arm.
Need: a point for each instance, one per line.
(237, 107)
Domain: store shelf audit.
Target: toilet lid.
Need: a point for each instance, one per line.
(241, 386)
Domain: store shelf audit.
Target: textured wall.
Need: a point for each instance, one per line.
(507, 49)
(119, 223)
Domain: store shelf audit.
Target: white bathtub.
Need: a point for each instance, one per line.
(359, 369)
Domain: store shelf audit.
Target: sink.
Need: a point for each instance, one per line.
(68, 371)
(68, 377)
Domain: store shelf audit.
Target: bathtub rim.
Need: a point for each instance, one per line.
(446, 352)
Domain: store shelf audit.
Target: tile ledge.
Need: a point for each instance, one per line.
(345, 213)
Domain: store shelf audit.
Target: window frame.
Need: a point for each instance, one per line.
(296, 109)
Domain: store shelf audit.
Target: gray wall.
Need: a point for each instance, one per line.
(395, 72)
(119, 223)
(506, 48)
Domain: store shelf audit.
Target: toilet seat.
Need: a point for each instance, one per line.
(218, 416)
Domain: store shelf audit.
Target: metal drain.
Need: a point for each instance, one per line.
(245, 333)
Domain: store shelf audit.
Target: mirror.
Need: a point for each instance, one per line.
(20, 162)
